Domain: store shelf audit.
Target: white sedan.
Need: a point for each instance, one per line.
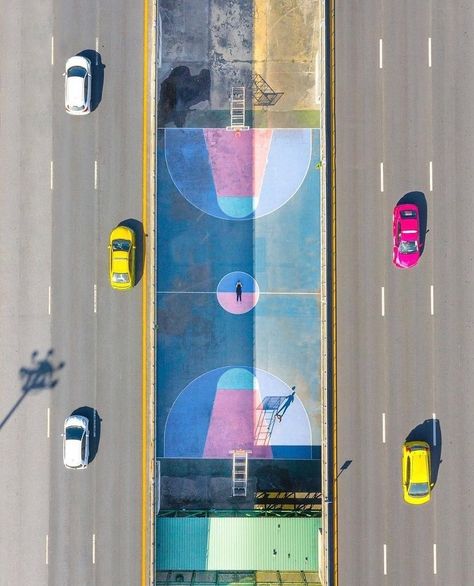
(78, 85)
(76, 442)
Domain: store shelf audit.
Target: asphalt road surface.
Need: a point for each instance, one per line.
(66, 182)
(404, 99)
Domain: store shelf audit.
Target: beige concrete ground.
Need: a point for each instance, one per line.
(286, 48)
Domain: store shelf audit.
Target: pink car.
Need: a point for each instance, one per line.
(406, 236)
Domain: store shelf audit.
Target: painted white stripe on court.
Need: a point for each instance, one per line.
(435, 561)
(383, 427)
(429, 51)
(48, 422)
(95, 298)
(49, 300)
(52, 50)
(383, 301)
(432, 299)
(302, 293)
(381, 177)
(431, 175)
(95, 174)
(93, 548)
(47, 549)
(434, 429)
(51, 175)
(380, 53)
(385, 559)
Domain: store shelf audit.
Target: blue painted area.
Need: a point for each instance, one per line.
(287, 167)
(228, 282)
(196, 335)
(188, 421)
(288, 242)
(188, 164)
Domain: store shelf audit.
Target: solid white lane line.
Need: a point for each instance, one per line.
(434, 429)
(383, 301)
(429, 51)
(52, 50)
(95, 298)
(431, 175)
(381, 177)
(432, 299)
(380, 53)
(385, 559)
(435, 561)
(51, 175)
(47, 549)
(49, 300)
(383, 427)
(96, 46)
(93, 548)
(48, 422)
(95, 174)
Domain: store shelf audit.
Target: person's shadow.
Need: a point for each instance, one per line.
(38, 376)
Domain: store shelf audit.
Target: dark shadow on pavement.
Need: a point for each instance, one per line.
(38, 376)
(430, 432)
(418, 198)
(97, 74)
(95, 421)
(179, 91)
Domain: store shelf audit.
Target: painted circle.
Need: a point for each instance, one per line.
(234, 408)
(227, 292)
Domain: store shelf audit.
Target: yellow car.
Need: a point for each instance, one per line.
(416, 472)
(122, 258)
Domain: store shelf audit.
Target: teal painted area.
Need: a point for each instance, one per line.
(270, 544)
(237, 207)
(237, 378)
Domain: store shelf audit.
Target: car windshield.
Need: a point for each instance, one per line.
(419, 489)
(76, 71)
(74, 433)
(408, 214)
(121, 245)
(408, 246)
(120, 277)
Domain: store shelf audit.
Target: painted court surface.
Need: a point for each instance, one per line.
(238, 254)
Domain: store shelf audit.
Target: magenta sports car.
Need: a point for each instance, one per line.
(406, 236)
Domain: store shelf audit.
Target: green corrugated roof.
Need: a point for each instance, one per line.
(239, 543)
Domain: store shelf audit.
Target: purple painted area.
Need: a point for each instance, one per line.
(229, 302)
(232, 425)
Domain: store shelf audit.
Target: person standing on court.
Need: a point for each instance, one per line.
(238, 291)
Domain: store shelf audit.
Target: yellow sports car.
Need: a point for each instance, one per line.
(122, 258)
(416, 472)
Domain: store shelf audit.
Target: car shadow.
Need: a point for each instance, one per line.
(140, 240)
(94, 428)
(418, 198)
(97, 73)
(430, 432)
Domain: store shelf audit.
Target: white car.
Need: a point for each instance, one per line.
(76, 442)
(78, 85)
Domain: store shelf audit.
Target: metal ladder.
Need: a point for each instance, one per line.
(239, 472)
(237, 109)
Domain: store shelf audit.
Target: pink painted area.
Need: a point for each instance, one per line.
(232, 425)
(229, 302)
(238, 160)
